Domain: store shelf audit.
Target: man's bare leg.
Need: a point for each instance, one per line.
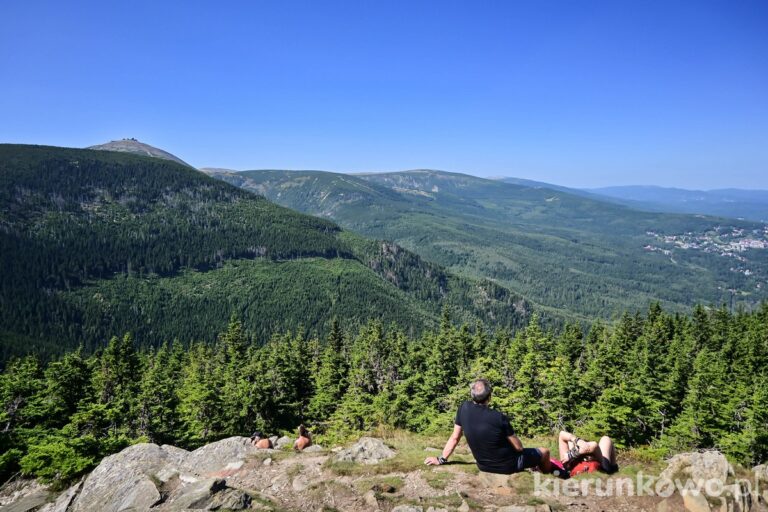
(586, 448)
(607, 449)
(562, 443)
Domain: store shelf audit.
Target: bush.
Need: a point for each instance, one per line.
(54, 461)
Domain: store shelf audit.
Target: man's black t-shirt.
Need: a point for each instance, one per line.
(487, 433)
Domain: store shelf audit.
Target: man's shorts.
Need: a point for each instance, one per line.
(528, 458)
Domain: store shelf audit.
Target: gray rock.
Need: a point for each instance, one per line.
(370, 500)
(695, 502)
(698, 467)
(273, 440)
(761, 472)
(23, 495)
(408, 508)
(207, 494)
(738, 497)
(283, 442)
(168, 478)
(230, 499)
(367, 450)
(221, 456)
(63, 501)
(314, 448)
(124, 480)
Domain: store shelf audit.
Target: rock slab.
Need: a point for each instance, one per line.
(367, 450)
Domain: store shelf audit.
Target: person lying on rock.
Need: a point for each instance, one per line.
(259, 441)
(491, 439)
(582, 456)
(304, 440)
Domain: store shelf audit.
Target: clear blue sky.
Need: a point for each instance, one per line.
(579, 93)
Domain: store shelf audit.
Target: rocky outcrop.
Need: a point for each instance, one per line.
(368, 450)
(147, 476)
(283, 442)
(231, 474)
(707, 478)
(699, 467)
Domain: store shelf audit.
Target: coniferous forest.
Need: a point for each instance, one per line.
(668, 382)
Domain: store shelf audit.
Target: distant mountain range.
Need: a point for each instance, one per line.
(574, 254)
(735, 203)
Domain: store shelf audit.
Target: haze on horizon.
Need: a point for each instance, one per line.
(577, 94)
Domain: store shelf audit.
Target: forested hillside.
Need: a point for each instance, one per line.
(660, 382)
(98, 242)
(569, 254)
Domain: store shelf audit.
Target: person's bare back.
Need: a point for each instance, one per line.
(304, 440)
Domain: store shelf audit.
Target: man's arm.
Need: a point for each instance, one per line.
(450, 445)
(518, 445)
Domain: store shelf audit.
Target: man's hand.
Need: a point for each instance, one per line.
(432, 461)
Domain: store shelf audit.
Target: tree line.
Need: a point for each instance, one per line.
(669, 381)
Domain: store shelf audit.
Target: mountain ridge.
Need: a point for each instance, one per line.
(564, 252)
(101, 243)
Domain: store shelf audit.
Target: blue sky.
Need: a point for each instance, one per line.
(578, 93)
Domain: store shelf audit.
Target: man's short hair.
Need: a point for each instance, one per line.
(480, 390)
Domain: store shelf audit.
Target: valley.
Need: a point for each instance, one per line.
(568, 254)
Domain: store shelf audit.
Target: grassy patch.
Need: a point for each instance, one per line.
(437, 479)
(367, 484)
(294, 470)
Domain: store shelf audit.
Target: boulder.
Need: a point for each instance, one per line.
(698, 467)
(708, 472)
(738, 497)
(224, 455)
(695, 502)
(167, 478)
(367, 450)
(761, 473)
(370, 500)
(62, 503)
(281, 443)
(760, 491)
(207, 494)
(23, 495)
(124, 480)
(408, 508)
(314, 448)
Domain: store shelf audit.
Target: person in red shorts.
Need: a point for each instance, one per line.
(581, 456)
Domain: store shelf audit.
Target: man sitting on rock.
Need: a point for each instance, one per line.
(259, 441)
(581, 456)
(491, 439)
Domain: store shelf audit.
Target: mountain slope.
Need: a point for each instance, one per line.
(97, 243)
(568, 253)
(735, 203)
(135, 147)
